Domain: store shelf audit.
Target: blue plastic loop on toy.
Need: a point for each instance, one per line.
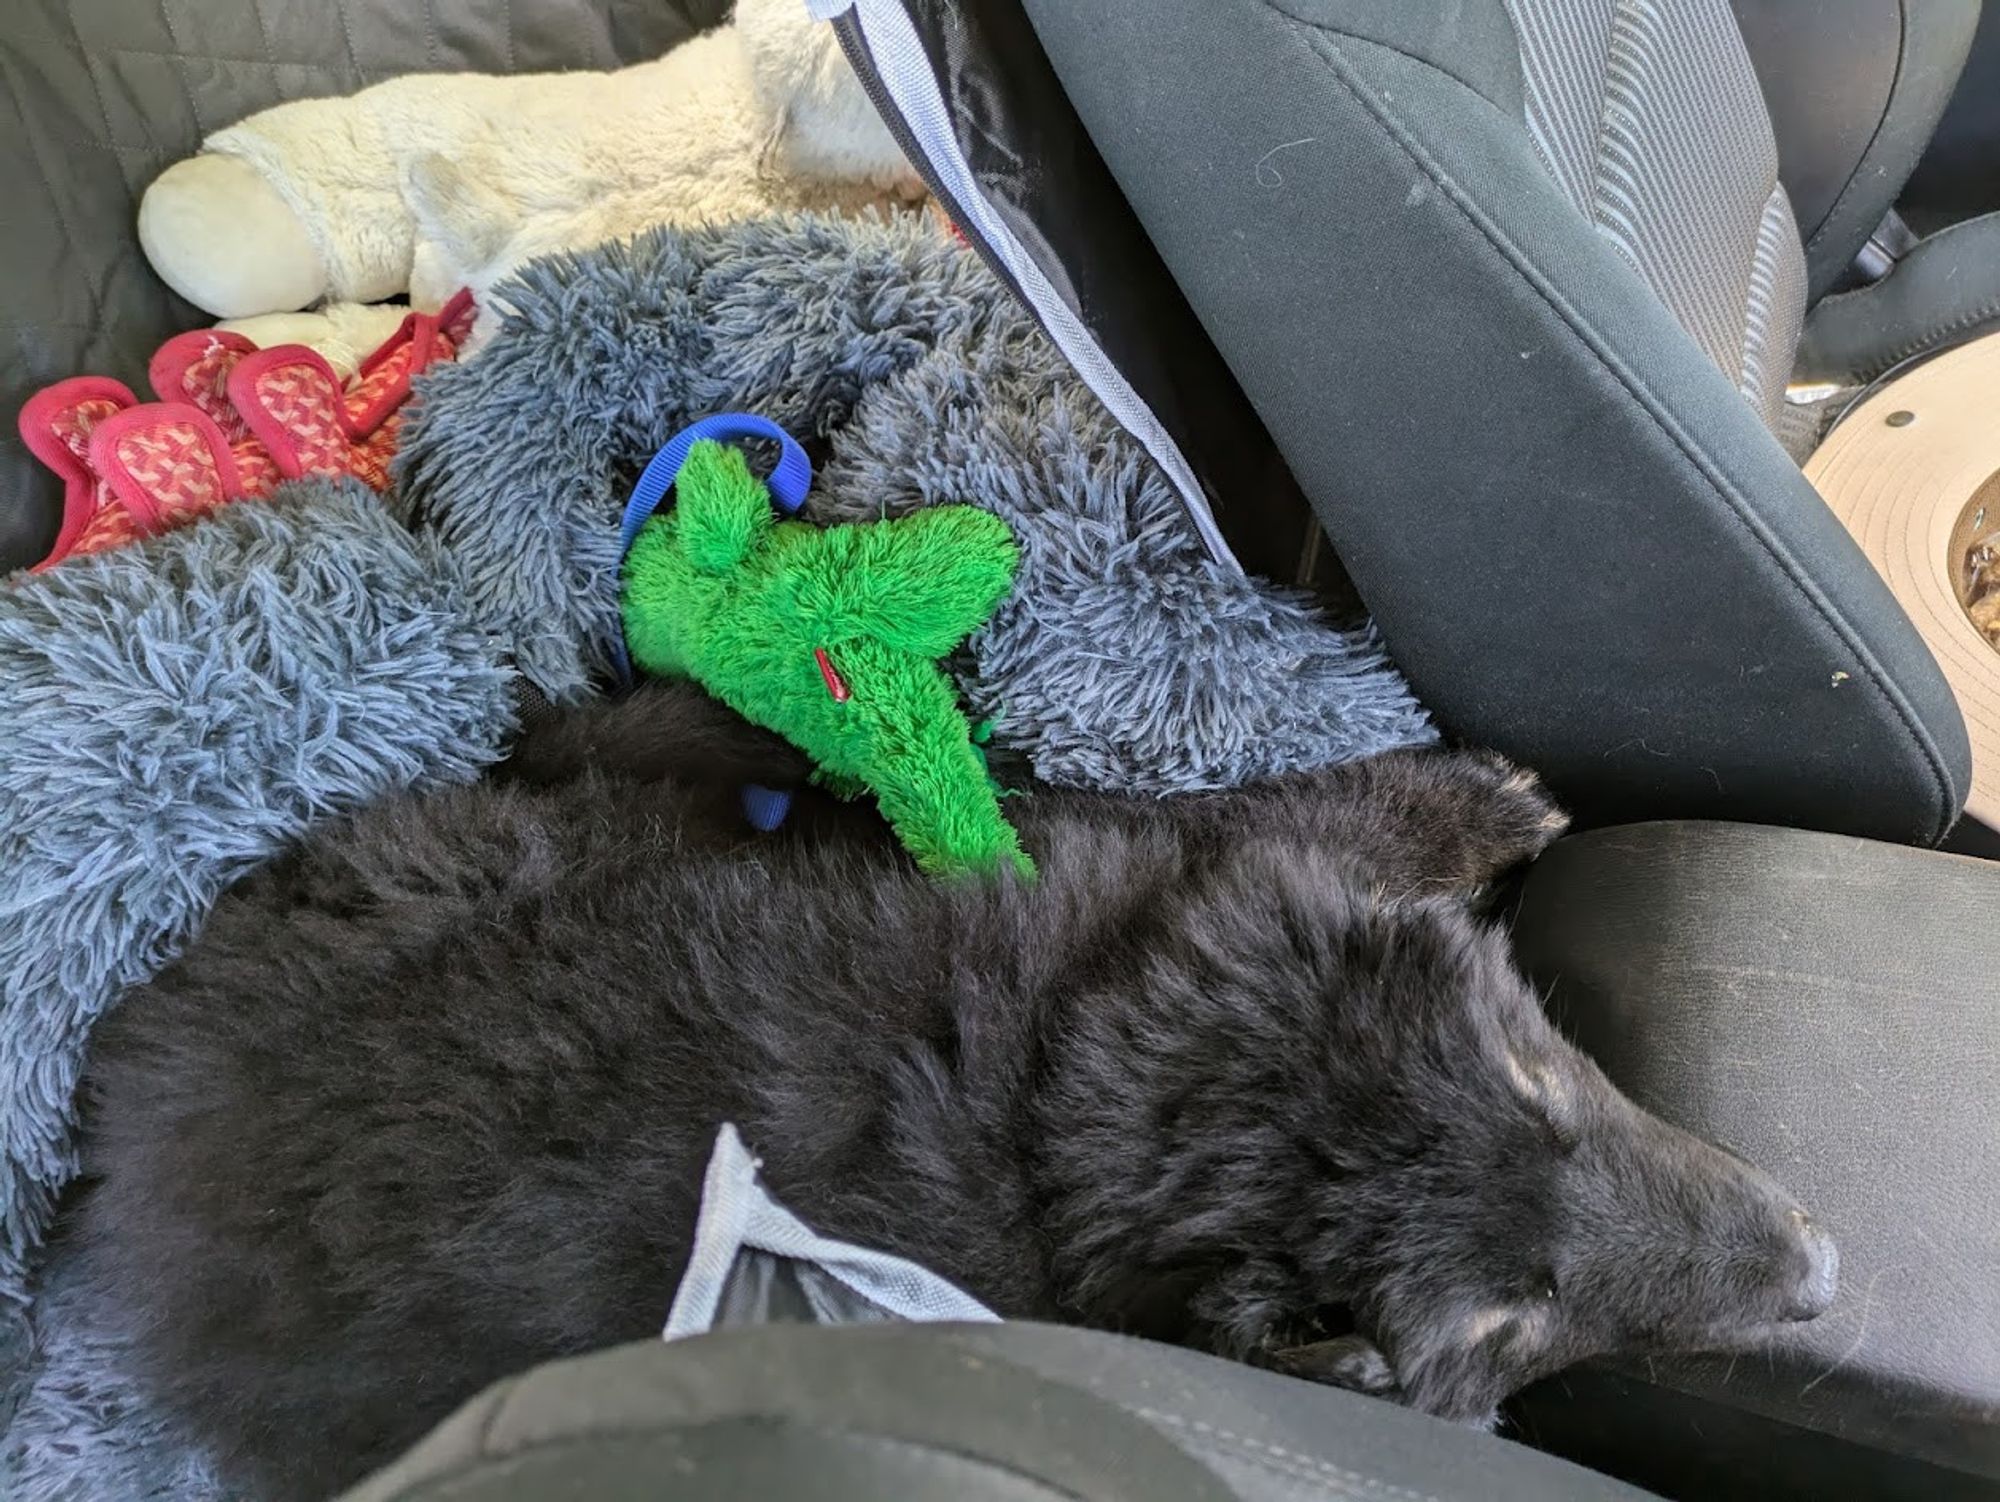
(788, 484)
(764, 807)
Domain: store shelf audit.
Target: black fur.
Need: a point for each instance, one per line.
(429, 1100)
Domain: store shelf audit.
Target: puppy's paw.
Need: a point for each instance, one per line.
(1347, 1361)
(1507, 816)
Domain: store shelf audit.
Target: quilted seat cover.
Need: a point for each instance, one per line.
(101, 95)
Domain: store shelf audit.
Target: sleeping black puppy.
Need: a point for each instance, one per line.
(429, 1100)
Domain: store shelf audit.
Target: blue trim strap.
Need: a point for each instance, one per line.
(764, 807)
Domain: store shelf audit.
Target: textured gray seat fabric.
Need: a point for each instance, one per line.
(1649, 117)
(1498, 277)
(952, 1413)
(100, 95)
(1830, 1009)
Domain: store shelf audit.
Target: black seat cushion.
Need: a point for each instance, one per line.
(1830, 1009)
(1855, 89)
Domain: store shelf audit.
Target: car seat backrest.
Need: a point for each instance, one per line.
(1855, 89)
(1499, 276)
(1649, 118)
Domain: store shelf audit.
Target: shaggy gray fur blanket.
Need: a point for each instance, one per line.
(1126, 659)
(176, 713)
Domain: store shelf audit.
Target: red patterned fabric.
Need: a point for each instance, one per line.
(231, 423)
(194, 368)
(256, 470)
(112, 527)
(292, 401)
(73, 426)
(57, 425)
(172, 465)
(369, 459)
(383, 387)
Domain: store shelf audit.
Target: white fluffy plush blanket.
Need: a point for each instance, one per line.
(435, 181)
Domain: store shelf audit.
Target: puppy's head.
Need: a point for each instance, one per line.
(1528, 1216)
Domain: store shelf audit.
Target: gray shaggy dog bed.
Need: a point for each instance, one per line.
(176, 714)
(1127, 658)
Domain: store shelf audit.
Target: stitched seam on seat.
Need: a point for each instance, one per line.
(263, 31)
(1219, 1457)
(1986, 312)
(1287, 1462)
(347, 37)
(1937, 337)
(1291, 1462)
(1431, 63)
(1928, 753)
(15, 94)
(1862, 163)
(88, 57)
(179, 59)
(75, 143)
(89, 62)
(489, 1464)
(433, 41)
(113, 49)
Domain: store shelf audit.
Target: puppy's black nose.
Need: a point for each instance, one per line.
(1813, 1294)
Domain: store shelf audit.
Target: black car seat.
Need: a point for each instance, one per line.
(1955, 179)
(1515, 290)
(1829, 1008)
(1510, 284)
(1857, 90)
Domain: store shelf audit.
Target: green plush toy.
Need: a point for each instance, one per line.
(831, 637)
